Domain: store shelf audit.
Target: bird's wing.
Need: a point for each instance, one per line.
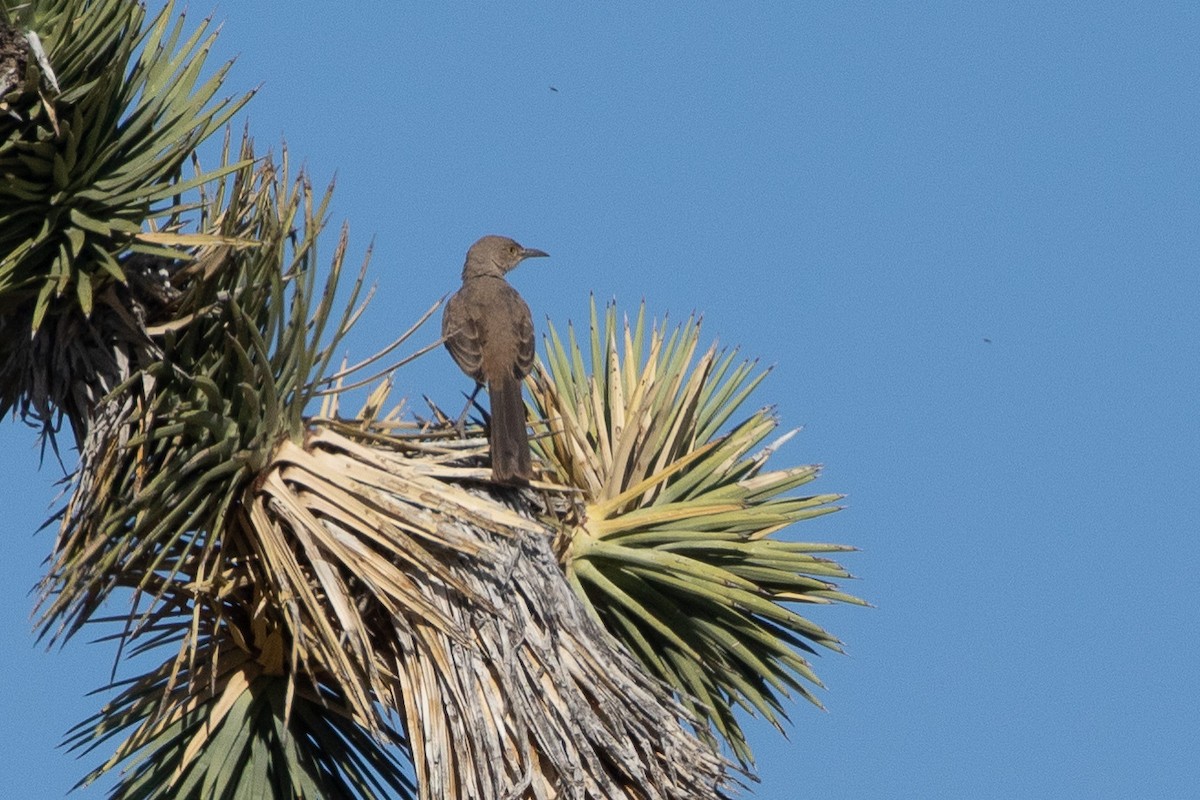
(525, 340)
(461, 331)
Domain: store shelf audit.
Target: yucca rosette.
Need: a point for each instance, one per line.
(675, 550)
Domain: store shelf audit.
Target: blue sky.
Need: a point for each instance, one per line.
(965, 236)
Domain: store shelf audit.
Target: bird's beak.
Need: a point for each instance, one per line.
(529, 252)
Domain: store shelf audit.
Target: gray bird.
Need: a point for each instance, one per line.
(488, 330)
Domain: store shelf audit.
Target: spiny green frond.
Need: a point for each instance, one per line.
(235, 732)
(86, 164)
(181, 438)
(94, 132)
(673, 551)
(195, 493)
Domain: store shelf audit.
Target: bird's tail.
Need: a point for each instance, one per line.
(509, 437)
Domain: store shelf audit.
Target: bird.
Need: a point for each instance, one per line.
(488, 330)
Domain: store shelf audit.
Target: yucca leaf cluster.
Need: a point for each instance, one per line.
(99, 113)
(178, 440)
(675, 549)
(238, 733)
(161, 514)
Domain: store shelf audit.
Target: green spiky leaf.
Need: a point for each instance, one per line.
(236, 734)
(86, 164)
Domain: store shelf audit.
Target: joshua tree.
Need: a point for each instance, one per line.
(344, 604)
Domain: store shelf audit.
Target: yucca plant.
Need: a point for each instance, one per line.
(341, 605)
(298, 569)
(674, 550)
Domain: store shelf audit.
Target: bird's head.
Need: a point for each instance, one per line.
(496, 255)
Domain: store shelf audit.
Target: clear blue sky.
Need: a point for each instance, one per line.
(967, 237)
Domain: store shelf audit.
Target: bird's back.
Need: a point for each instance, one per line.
(489, 329)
